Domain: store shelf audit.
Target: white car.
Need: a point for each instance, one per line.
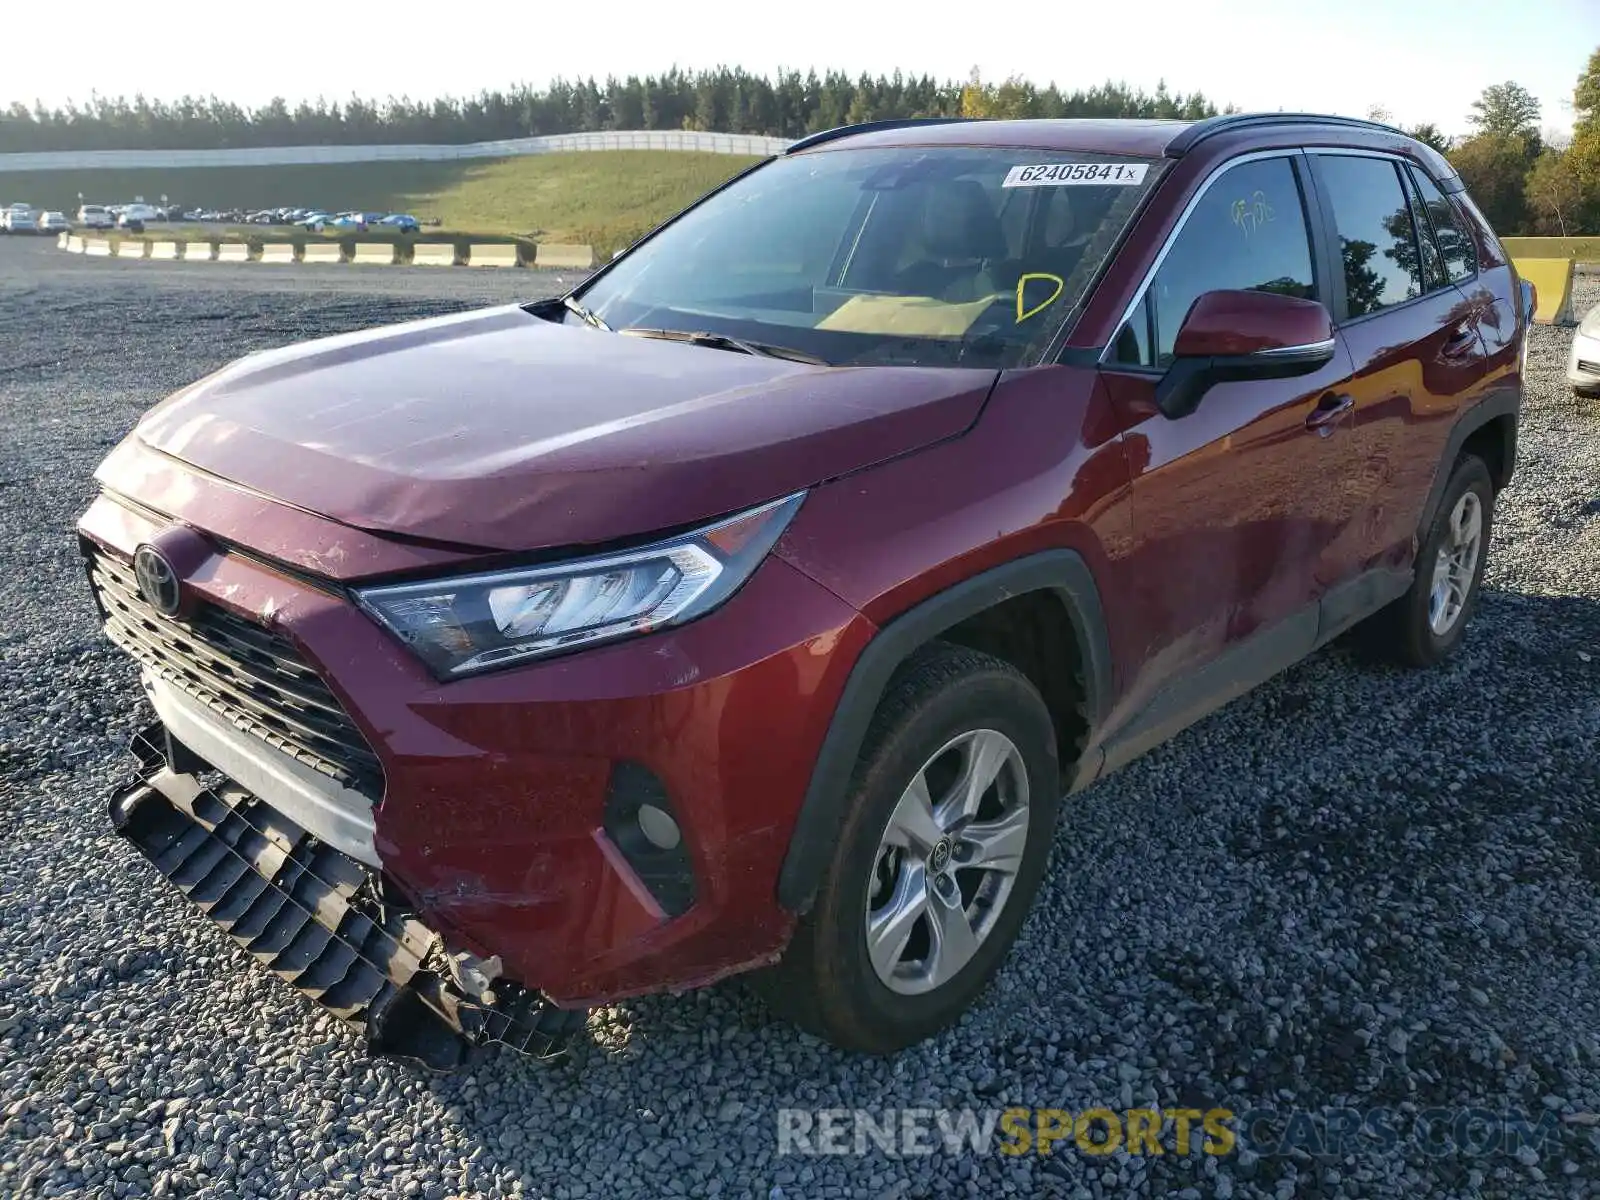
(52, 222)
(133, 216)
(95, 216)
(1583, 363)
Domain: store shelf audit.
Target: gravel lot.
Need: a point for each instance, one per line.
(1353, 888)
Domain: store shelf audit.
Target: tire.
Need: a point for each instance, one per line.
(1411, 631)
(945, 703)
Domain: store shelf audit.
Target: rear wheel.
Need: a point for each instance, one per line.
(948, 831)
(1426, 624)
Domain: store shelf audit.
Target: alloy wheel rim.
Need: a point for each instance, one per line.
(1456, 564)
(947, 862)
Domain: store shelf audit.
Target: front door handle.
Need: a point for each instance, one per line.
(1328, 411)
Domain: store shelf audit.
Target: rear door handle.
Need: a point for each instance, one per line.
(1328, 411)
(1460, 341)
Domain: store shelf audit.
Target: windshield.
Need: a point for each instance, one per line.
(914, 256)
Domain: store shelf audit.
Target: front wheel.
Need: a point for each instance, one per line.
(1426, 624)
(943, 847)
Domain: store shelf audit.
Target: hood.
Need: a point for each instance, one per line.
(498, 430)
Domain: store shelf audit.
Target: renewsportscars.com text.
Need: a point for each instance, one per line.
(1322, 1133)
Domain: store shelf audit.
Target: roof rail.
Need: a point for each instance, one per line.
(1228, 122)
(828, 135)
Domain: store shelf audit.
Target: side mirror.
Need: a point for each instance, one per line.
(1230, 335)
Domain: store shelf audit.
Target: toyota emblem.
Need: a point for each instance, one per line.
(158, 582)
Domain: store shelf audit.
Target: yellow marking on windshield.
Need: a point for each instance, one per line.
(1061, 286)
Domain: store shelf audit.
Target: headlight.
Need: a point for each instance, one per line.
(473, 623)
(1590, 325)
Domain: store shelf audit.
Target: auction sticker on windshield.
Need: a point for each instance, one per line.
(1066, 174)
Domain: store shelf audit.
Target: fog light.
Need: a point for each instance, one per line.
(658, 827)
(640, 822)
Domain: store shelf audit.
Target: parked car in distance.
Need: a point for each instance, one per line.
(18, 218)
(135, 216)
(924, 474)
(52, 222)
(401, 222)
(95, 216)
(1583, 360)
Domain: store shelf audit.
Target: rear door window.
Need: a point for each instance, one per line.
(1460, 255)
(1377, 241)
(1434, 275)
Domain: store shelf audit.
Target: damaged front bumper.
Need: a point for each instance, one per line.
(320, 919)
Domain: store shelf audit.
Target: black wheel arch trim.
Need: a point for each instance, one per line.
(1505, 402)
(1063, 572)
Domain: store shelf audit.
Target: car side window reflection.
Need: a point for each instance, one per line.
(1377, 242)
(1247, 232)
(1434, 276)
(1460, 255)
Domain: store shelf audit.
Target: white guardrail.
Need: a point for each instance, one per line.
(277, 156)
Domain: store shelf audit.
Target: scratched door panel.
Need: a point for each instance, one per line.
(1235, 505)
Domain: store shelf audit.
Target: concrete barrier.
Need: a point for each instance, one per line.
(555, 254)
(164, 250)
(483, 254)
(234, 252)
(97, 247)
(433, 254)
(131, 249)
(1552, 283)
(1579, 249)
(198, 251)
(277, 252)
(322, 252)
(374, 252)
(61, 241)
(74, 244)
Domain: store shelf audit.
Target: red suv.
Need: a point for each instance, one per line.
(754, 605)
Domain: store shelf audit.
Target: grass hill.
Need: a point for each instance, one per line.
(603, 198)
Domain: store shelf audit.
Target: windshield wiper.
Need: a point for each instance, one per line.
(722, 341)
(588, 317)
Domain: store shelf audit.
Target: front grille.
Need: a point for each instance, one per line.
(1588, 368)
(242, 672)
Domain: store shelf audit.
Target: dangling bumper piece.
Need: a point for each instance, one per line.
(318, 918)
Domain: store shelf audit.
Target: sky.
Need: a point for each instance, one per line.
(1421, 60)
